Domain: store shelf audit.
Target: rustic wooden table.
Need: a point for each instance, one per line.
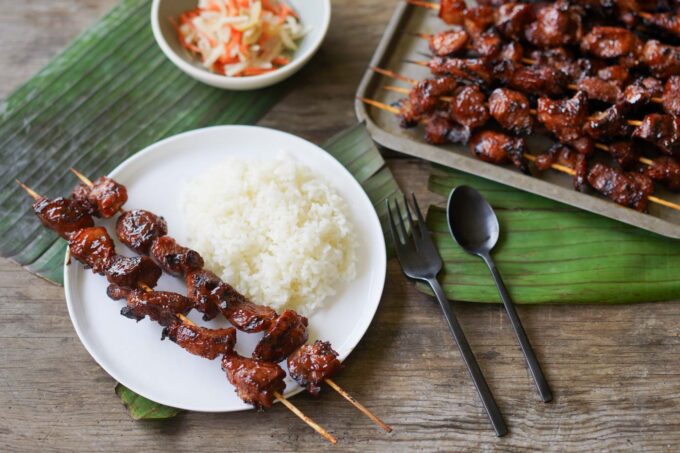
(615, 371)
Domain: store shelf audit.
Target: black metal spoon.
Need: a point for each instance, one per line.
(474, 225)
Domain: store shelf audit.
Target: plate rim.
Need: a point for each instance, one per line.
(380, 267)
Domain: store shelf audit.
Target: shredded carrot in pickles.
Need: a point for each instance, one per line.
(240, 37)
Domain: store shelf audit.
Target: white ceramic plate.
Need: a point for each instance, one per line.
(132, 353)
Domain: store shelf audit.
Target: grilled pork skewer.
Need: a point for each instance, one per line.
(498, 148)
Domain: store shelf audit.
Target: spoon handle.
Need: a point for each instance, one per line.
(532, 361)
(470, 362)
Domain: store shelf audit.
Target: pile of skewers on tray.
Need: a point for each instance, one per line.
(258, 380)
(601, 78)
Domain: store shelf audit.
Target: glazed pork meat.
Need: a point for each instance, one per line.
(661, 130)
(256, 381)
(511, 109)
(174, 258)
(159, 306)
(468, 107)
(564, 117)
(498, 148)
(62, 215)
(311, 364)
(285, 334)
(104, 199)
(628, 189)
(201, 341)
(138, 228)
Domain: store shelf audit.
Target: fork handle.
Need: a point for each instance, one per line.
(470, 362)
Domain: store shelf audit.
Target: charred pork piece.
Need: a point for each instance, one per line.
(627, 189)
(472, 69)
(617, 74)
(488, 45)
(93, 247)
(424, 98)
(240, 312)
(160, 306)
(662, 130)
(640, 93)
(625, 154)
(201, 341)
(600, 90)
(498, 148)
(666, 170)
(447, 43)
(608, 124)
(668, 22)
(512, 18)
(287, 333)
(80, 194)
(104, 198)
(671, 96)
(174, 258)
(556, 25)
(511, 110)
(452, 11)
(662, 60)
(202, 286)
(540, 80)
(139, 228)
(564, 155)
(468, 107)
(512, 52)
(440, 129)
(132, 272)
(63, 216)
(564, 117)
(311, 364)
(478, 19)
(610, 42)
(116, 292)
(256, 381)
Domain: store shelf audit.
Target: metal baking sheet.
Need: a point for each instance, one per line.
(397, 46)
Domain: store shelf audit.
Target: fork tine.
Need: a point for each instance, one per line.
(410, 217)
(401, 223)
(421, 220)
(393, 227)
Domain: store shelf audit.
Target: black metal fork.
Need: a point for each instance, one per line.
(420, 260)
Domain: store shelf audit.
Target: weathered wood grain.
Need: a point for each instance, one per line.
(615, 371)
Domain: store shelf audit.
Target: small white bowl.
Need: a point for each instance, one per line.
(315, 15)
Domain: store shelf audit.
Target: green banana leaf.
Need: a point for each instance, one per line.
(552, 253)
(141, 408)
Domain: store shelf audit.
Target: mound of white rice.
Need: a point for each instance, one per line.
(273, 230)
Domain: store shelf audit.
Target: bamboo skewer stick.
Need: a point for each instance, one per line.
(82, 177)
(315, 426)
(532, 111)
(387, 428)
(30, 191)
(531, 157)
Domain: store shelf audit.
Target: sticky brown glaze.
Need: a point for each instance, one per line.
(201, 341)
(498, 148)
(627, 189)
(424, 98)
(610, 42)
(556, 25)
(138, 228)
(488, 44)
(662, 130)
(63, 216)
(284, 335)
(468, 107)
(598, 89)
(311, 364)
(540, 80)
(160, 306)
(512, 19)
(511, 109)
(202, 289)
(174, 258)
(93, 247)
(625, 154)
(665, 170)
(452, 11)
(640, 92)
(668, 22)
(671, 96)
(473, 70)
(662, 60)
(132, 273)
(447, 43)
(105, 197)
(478, 19)
(564, 117)
(568, 157)
(608, 124)
(243, 314)
(256, 381)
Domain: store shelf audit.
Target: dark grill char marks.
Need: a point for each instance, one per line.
(511, 110)
(132, 272)
(63, 216)
(424, 98)
(138, 228)
(160, 306)
(200, 341)
(468, 107)
(640, 93)
(93, 247)
(471, 69)
(662, 60)
(627, 189)
(666, 170)
(671, 96)
(564, 117)
(448, 42)
(512, 19)
(662, 130)
(174, 258)
(608, 124)
(479, 19)
(256, 381)
(540, 80)
(242, 313)
(666, 22)
(610, 42)
(201, 289)
(498, 148)
(625, 154)
(563, 155)
(556, 25)
(312, 364)
(104, 198)
(488, 45)
(452, 11)
(599, 90)
(437, 128)
(287, 333)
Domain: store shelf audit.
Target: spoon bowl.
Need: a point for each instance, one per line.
(472, 221)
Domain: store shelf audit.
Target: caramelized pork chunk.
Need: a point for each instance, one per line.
(452, 11)
(93, 247)
(138, 228)
(159, 306)
(662, 60)
(447, 43)
(201, 341)
(135, 272)
(256, 381)
(610, 42)
(63, 216)
(662, 130)
(627, 189)
(203, 289)
(665, 170)
(243, 314)
(557, 24)
(284, 335)
(511, 110)
(671, 96)
(498, 148)
(174, 258)
(564, 117)
(608, 124)
(311, 364)
(104, 198)
(468, 107)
